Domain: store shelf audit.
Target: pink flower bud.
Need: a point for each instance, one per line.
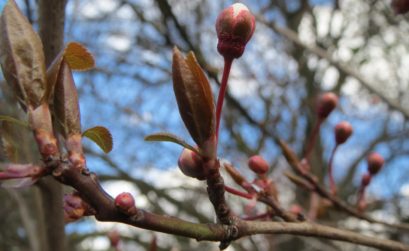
(234, 26)
(258, 165)
(326, 104)
(366, 179)
(342, 132)
(375, 163)
(126, 203)
(191, 164)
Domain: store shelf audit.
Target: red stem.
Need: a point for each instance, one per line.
(332, 185)
(222, 92)
(238, 193)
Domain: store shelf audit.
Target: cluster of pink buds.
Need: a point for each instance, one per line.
(375, 162)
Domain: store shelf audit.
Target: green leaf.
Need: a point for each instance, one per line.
(168, 137)
(13, 120)
(101, 136)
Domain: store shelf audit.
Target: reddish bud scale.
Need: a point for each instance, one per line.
(343, 131)
(326, 104)
(375, 162)
(191, 164)
(234, 26)
(74, 207)
(75, 153)
(258, 165)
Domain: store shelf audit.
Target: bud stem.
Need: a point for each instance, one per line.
(238, 193)
(223, 86)
(332, 185)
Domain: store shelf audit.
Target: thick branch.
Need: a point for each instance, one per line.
(51, 30)
(90, 190)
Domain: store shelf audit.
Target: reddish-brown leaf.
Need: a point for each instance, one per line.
(66, 107)
(194, 97)
(21, 56)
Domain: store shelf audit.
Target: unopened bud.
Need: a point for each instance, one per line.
(114, 237)
(75, 207)
(343, 131)
(126, 203)
(258, 165)
(234, 26)
(375, 163)
(326, 104)
(191, 164)
(366, 179)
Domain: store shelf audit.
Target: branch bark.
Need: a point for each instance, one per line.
(51, 29)
(105, 210)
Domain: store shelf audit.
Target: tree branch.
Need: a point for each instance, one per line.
(293, 37)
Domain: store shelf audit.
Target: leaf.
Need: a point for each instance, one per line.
(66, 106)
(21, 56)
(13, 120)
(194, 97)
(101, 136)
(76, 56)
(168, 137)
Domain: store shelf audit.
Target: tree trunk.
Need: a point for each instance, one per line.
(51, 29)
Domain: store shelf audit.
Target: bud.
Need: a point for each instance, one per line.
(326, 104)
(191, 164)
(234, 26)
(126, 203)
(114, 238)
(375, 163)
(400, 6)
(258, 165)
(75, 207)
(366, 179)
(343, 131)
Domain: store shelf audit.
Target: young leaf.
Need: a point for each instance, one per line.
(76, 56)
(21, 56)
(168, 137)
(66, 106)
(101, 136)
(13, 120)
(194, 97)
